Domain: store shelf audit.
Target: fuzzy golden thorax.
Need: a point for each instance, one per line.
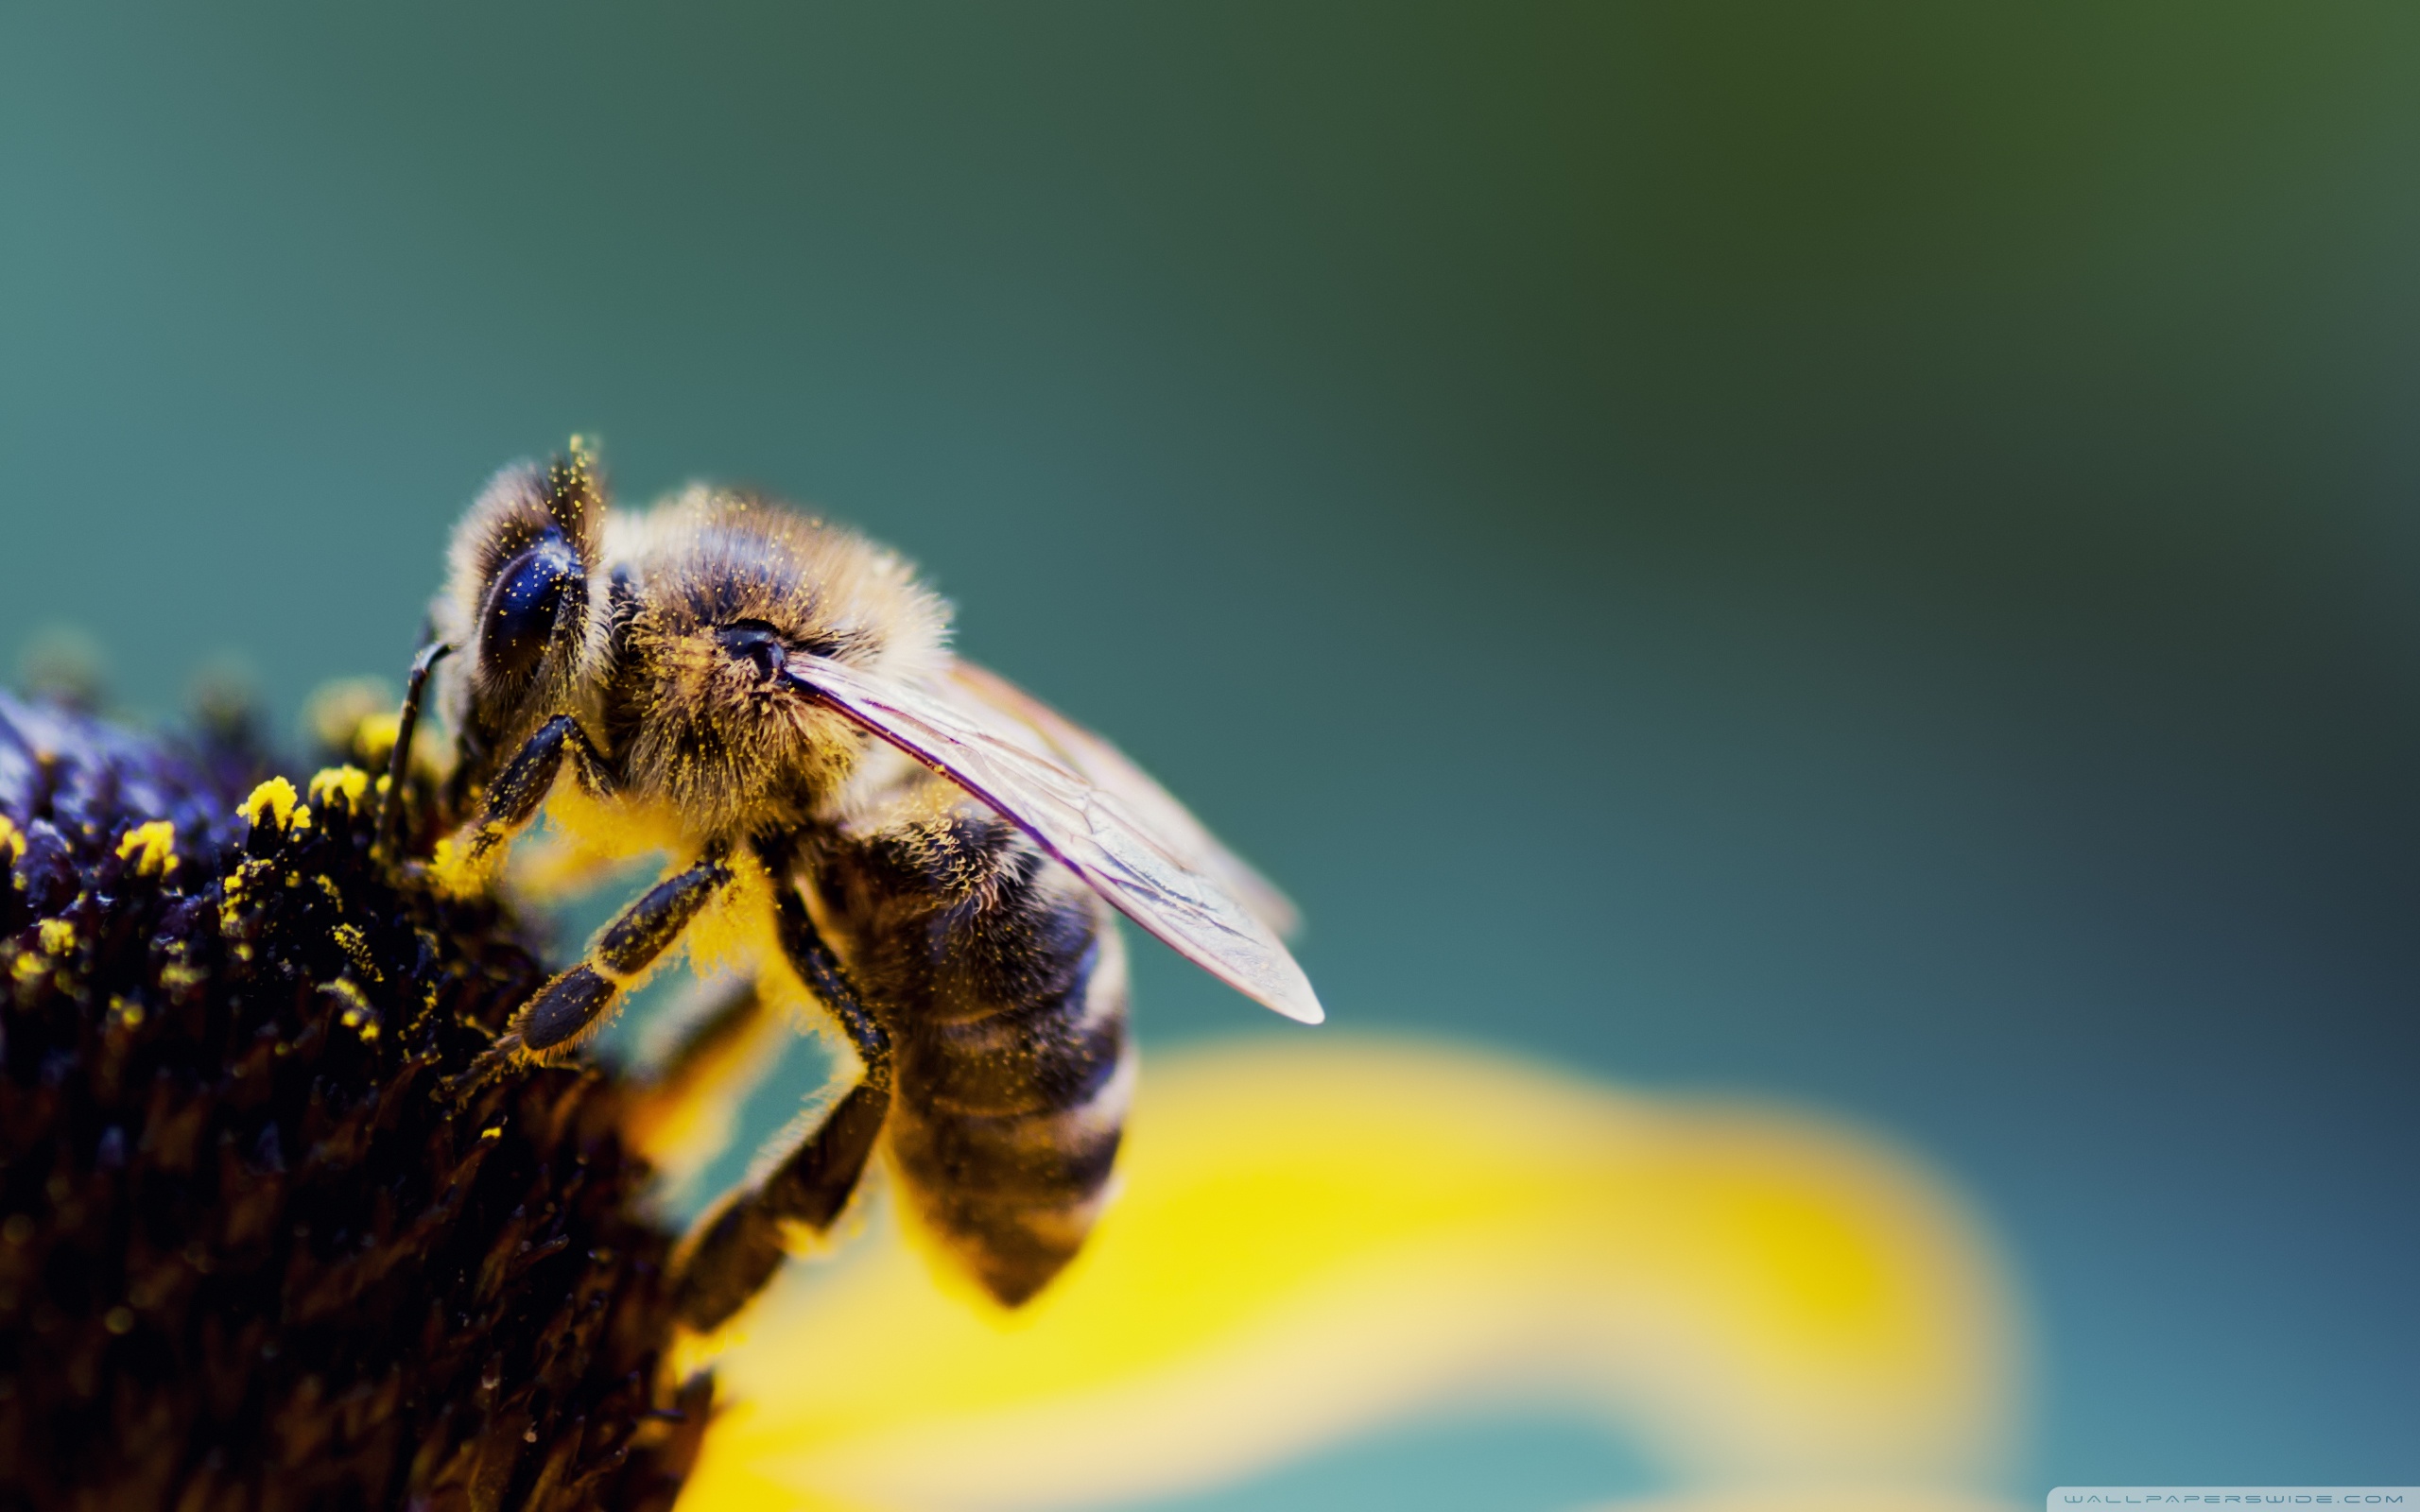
(692, 720)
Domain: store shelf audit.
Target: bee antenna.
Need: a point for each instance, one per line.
(398, 761)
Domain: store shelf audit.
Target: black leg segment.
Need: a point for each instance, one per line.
(646, 929)
(734, 1252)
(737, 1250)
(574, 1002)
(561, 1009)
(513, 797)
(816, 966)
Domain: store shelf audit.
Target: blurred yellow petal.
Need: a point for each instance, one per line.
(1318, 1235)
(686, 1115)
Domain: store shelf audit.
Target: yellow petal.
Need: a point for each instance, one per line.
(1314, 1237)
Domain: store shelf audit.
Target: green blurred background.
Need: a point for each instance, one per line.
(1860, 553)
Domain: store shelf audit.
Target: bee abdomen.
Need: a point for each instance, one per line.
(1043, 1057)
(1006, 1125)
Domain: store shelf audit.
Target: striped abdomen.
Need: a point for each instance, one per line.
(1003, 985)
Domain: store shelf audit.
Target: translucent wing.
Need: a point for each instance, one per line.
(1109, 769)
(1095, 832)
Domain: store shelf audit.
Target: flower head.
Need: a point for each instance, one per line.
(252, 1255)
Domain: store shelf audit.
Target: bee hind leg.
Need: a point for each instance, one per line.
(573, 1005)
(737, 1247)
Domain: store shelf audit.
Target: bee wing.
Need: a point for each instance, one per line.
(1098, 834)
(1111, 770)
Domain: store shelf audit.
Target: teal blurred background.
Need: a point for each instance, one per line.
(1861, 554)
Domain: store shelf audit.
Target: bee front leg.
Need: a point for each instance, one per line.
(736, 1249)
(577, 1001)
(517, 793)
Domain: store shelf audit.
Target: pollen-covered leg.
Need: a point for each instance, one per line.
(513, 799)
(740, 1245)
(737, 1247)
(577, 1002)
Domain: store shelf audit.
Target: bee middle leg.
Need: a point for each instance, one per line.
(737, 1248)
(576, 1001)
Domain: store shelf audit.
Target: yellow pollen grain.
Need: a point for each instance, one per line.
(152, 846)
(57, 936)
(274, 797)
(237, 888)
(10, 841)
(330, 783)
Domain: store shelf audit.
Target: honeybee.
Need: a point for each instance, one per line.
(854, 816)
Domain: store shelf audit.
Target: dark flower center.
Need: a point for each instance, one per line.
(252, 1255)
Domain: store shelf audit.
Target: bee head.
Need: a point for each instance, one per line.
(728, 588)
(518, 605)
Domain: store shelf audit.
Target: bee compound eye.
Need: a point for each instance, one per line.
(529, 597)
